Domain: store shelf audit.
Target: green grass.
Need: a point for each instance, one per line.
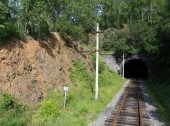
(159, 90)
(81, 107)
(12, 112)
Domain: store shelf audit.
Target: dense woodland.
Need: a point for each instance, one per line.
(129, 25)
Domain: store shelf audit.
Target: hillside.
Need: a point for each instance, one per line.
(33, 74)
(29, 68)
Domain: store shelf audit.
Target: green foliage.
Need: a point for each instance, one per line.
(132, 38)
(69, 30)
(86, 77)
(7, 102)
(13, 113)
(11, 30)
(115, 40)
(81, 108)
(37, 18)
(4, 12)
(74, 22)
(143, 37)
(76, 18)
(114, 13)
(49, 108)
(102, 63)
(9, 23)
(40, 22)
(117, 13)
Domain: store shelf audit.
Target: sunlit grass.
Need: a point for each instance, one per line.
(81, 106)
(13, 112)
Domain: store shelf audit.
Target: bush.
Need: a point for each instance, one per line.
(76, 32)
(49, 109)
(135, 37)
(7, 102)
(86, 77)
(13, 113)
(102, 64)
(11, 30)
(143, 37)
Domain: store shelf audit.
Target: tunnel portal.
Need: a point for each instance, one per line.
(135, 68)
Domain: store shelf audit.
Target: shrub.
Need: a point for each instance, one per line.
(86, 77)
(49, 108)
(7, 102)
(13, 112)
(102, 64)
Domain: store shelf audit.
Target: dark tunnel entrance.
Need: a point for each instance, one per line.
(135, 68)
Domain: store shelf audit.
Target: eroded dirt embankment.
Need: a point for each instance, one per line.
(28, 68)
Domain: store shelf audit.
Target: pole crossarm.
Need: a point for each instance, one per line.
(94, 32)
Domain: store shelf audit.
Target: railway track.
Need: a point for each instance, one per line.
(130, 110)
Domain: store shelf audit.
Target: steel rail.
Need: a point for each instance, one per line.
(139, 108)
(114, 122)
(122, 103)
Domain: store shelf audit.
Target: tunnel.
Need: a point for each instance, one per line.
(135, 68)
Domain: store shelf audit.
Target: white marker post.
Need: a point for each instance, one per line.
(97, 63)
(123, 66)
(65, 95)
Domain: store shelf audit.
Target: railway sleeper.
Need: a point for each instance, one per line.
(123, 123)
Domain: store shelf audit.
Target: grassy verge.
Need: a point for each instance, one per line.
(81, 107)
(13, 112)
(159, 90)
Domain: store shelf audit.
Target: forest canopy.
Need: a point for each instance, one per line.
(129, 26)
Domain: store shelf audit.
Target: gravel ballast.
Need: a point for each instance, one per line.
(154, 120)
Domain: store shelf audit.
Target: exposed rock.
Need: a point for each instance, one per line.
(28, 68)
(27, 65)
(11, 75)
(40, 57)
(32, 84)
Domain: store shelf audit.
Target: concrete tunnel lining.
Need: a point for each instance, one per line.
(135, 68)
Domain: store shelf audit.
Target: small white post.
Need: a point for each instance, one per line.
(97, 63)
(65, 95)
(123, 66)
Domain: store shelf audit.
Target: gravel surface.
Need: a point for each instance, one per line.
(155, 119)
(109, 108)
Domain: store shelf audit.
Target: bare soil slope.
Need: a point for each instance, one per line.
(28, 68)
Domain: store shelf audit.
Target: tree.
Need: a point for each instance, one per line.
(77, 19)
(4, 18)
(114, 13)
